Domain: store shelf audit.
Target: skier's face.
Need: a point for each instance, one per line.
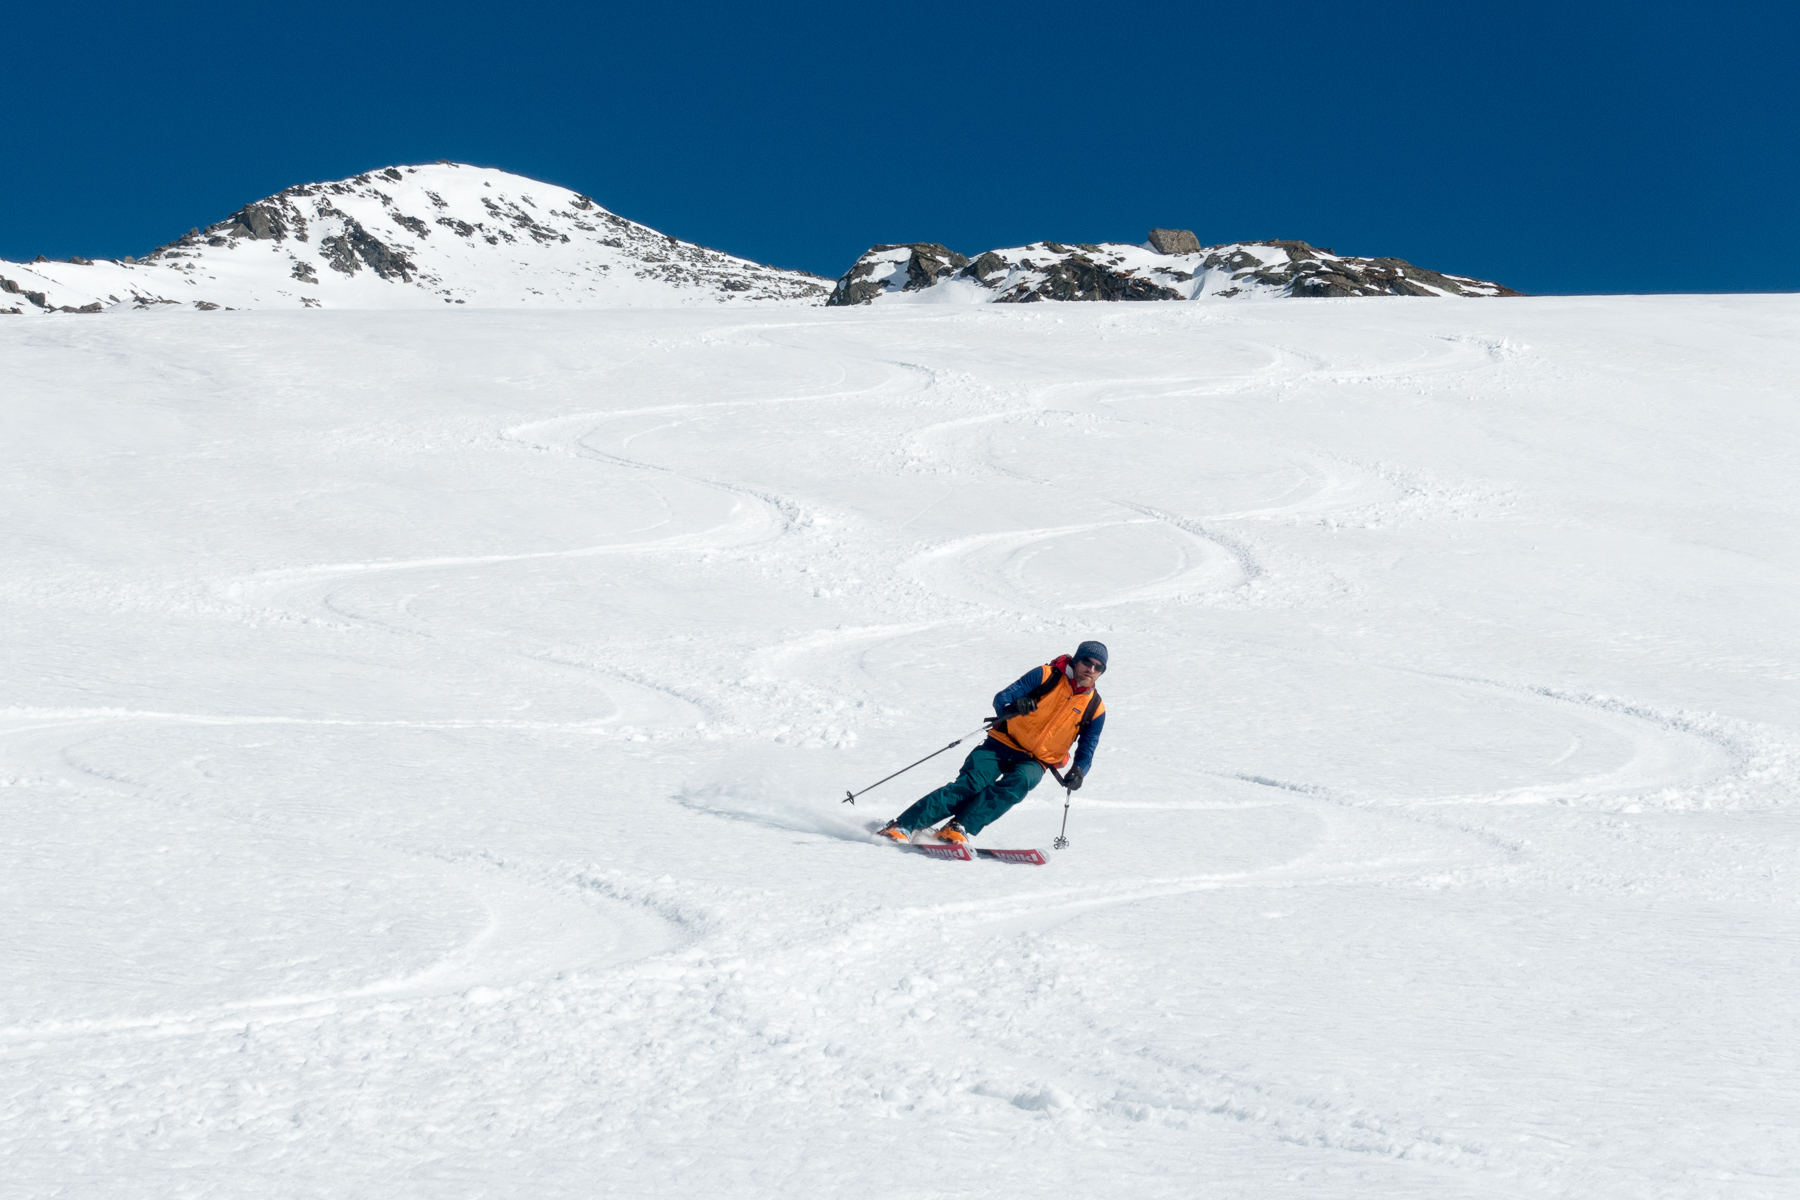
(1086, 670)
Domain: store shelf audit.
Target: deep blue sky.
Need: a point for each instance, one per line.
(1556, 147)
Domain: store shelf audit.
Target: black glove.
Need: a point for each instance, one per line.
(1025, 704)
(1072, 779)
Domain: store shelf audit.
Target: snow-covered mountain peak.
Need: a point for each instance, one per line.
(410, 237)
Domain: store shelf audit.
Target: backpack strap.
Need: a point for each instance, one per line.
(1049, 685)
(1087, 718)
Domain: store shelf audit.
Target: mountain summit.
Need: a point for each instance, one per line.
(410, 237)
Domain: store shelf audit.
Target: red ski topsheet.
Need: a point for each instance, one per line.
(945, 850)
(934, 850)
(1034, 857)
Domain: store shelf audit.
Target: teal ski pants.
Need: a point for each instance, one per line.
(982, 791)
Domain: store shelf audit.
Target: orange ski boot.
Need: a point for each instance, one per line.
(892, 830)
(953, 833)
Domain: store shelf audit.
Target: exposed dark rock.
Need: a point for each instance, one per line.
(80, 261)
(394, 175)
(339, 255)
(582, 202)
(412, 223)
(856, 287)
(984, 265)
(1325, 285)
(1079, 277)
(303, 271)
(929, 263)
(460, 227)
(537, 232)
(1174, 241)
(1382, 277)
(1095, 272)
(205, 305)
(342, 252)
(37, 298)
(926, 264)
(260, 222)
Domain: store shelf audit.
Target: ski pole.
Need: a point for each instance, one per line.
(1062, 839)
(850, 797)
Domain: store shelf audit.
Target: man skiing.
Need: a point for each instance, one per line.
(1035, 722)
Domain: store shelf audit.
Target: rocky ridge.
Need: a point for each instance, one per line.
(1170, 264)
(409, 237)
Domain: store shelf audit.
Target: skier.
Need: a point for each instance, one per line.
(1035, 722)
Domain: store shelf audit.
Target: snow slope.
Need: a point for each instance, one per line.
(421, 737)
(409, 237)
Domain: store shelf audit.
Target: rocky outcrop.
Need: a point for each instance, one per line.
(342, 251)
(909, 268)
(37, 298)
(1078, 277)
(257, 222)
(1174, 241)
(1322, 273)
(1172, 266)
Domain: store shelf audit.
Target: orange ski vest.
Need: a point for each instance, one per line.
(1047, 733)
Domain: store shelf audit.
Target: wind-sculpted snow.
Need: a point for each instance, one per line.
(423, 739)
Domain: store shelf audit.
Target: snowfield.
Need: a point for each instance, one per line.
(422, 737)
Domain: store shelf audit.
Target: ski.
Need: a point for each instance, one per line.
(951, 852)
(937, 850)
(1033, 857)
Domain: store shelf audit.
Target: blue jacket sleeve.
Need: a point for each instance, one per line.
(1090, 741)
(1016, 691)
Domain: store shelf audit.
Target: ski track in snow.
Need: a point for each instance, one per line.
(455, 809)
